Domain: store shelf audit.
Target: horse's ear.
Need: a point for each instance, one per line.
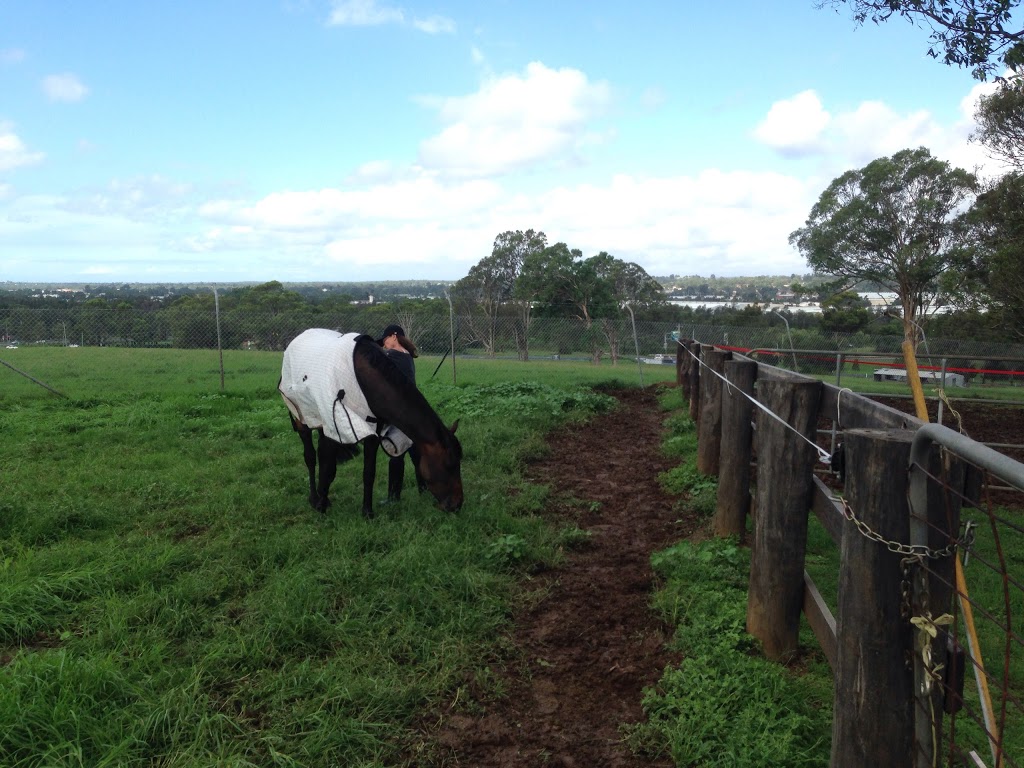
(454, 426)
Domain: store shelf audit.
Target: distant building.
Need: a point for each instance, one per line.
(785, 295)
(927, 377)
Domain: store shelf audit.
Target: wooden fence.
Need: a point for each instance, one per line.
(767, 434)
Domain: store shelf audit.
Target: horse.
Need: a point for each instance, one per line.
(345, 388)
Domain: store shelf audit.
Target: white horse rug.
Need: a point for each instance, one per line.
(318, 384)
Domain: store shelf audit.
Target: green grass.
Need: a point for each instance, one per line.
(724, 704)
(168, 597)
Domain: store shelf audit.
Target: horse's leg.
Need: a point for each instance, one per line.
(414, 456)
(328, 470)
(396, 477)
(369, 473)
(309, 454)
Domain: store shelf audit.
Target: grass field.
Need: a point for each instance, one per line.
(168, 598)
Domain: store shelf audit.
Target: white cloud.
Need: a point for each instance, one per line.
(435, 25)
(135, 199)
(439, 218)
(715, 221)
(64, 87)
(794, 126)
(801, 126)
(364, 13)
(516, 121)
(875, 130)
(370, 13)
(414, 199)
(13, 152)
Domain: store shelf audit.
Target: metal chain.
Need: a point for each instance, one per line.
(899, 547)
(907, 565)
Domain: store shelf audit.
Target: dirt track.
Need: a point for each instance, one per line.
(591, 644)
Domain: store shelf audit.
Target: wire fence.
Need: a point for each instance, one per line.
(523, 338)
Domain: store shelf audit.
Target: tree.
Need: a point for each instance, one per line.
(632, 289)
(894, 222)
(478, 297)
(491, 283)
(980, 34)
(1000, 123)
(516, 249)
(845, 312)
(994, 259)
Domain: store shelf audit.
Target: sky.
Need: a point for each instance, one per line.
(360, 140)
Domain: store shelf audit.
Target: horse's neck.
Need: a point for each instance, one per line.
(418, 427)
(401, 405)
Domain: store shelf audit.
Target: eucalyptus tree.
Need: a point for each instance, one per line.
(631, 289)
(516, 249)
(897, 222)
(593, 290)
(489, 289)
(999, 123)
(994, 254)
(984, 35)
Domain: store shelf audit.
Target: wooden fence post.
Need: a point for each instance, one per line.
(733, 501)
(785, 462)
(695, 381)
(709, 429)
(873, 718)
(683, 361)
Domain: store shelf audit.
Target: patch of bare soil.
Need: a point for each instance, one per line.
(1002, 425)
(588, 647)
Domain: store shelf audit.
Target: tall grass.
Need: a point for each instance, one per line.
(167, 597)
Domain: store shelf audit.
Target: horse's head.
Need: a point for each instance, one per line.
(440, 469)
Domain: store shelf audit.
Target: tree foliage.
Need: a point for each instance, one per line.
(895, 222)
(523, 275)
(845, 312)
(999, 121)
(982, 35)
(490, 287)
(995, 256)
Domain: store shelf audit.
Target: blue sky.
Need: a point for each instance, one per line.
(344, 140)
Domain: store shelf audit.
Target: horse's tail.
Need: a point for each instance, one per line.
(347, 452)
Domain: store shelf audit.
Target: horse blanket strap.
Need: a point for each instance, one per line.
(318, 384)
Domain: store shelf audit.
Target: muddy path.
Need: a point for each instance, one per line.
(586, 648)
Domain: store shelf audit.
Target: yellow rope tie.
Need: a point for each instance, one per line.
(954, 411)
(927, 632)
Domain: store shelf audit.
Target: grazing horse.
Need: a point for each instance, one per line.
(345, 388)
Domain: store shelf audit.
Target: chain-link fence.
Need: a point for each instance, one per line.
(524, 338)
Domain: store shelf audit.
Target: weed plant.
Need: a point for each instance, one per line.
(698, 491)
(169, 598)
(724, 704)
